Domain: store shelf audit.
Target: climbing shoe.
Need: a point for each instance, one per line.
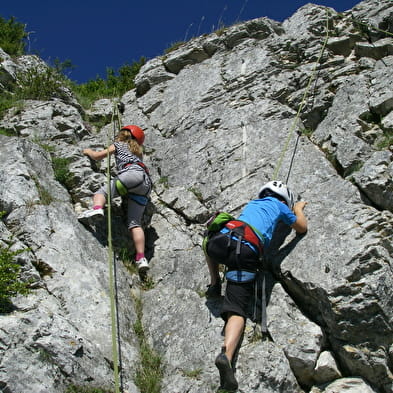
(227, 378)
(143, 265)
(213, 290)
(91, 214)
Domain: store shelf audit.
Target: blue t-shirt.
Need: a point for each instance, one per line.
(264, 214)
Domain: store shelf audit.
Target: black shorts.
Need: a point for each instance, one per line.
(238, 299)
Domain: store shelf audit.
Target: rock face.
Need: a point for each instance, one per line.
(223, 114)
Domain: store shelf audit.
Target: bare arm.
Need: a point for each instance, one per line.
(300, 225)
(99, 155)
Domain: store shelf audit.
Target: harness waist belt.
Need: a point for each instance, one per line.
(140, 163)
(249, 234)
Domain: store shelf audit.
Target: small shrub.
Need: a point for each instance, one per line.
(12, 36)
(40, 83)
(62, 173)
(10, 285)
(115, 85)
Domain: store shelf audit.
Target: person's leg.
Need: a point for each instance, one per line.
(99, 200)
(138, 237)
(213, 271)
(233, 331)
(135, 213)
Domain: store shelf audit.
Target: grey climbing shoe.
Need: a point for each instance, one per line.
(227, 378)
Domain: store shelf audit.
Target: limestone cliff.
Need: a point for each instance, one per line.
(223, 114)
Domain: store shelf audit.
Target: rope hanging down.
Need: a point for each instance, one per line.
(116, 348)
(371, 27)
(294, 123)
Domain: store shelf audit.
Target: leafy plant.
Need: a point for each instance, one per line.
(115, 84)
(40, 83)
(12, 36)
(10, 285)
(61, 168)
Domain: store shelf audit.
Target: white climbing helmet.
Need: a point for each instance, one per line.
(279, 188)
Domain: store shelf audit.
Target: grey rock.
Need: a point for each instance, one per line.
(377, 50)
(101, 110)
(220, 115)
(347, 385)
(151, 74)
(375, 179)
(300, 339)
(340, 45)
(326, 369)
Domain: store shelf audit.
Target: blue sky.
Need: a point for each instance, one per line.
(98, 34)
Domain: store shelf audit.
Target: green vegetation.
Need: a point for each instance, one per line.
(115, 84)
(7, 132)
(10, 285)
(197, 193)
(86, 389)
(41, 83)
(306, 131)
(12, 36)
(62, 172)
(195, 374)
(164, 181)
(44, 195)
(149, 373)
(386, 141)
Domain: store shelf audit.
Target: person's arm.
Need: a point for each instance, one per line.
(98, 155)
(300, 225)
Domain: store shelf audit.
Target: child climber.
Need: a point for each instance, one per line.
(132, 180)
(241, 254)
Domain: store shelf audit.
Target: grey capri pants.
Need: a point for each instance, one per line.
(137, 182)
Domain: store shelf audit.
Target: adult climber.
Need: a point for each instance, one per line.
(241, 253)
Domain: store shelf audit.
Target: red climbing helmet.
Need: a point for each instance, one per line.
(136, 132)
